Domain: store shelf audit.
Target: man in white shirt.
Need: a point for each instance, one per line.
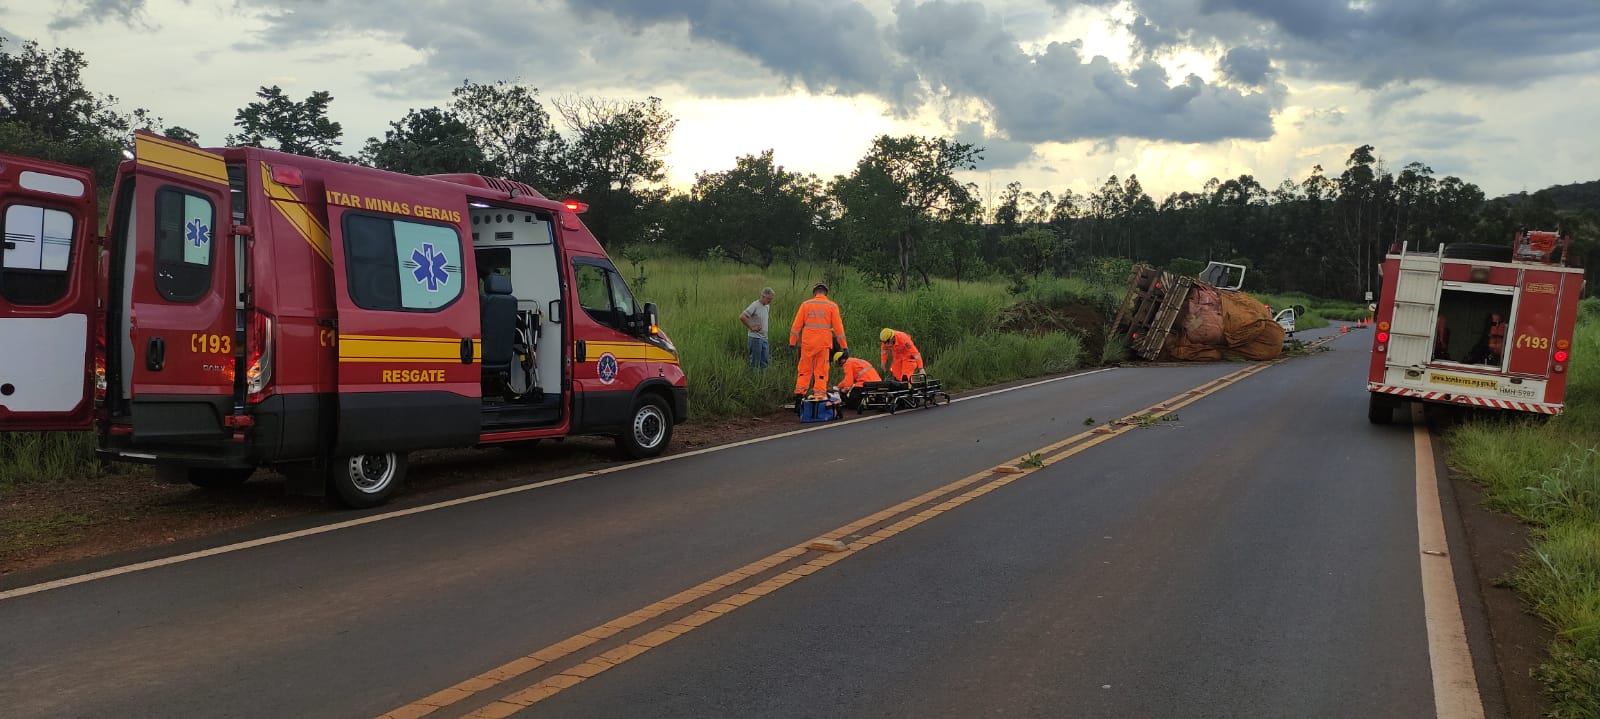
(754, 318)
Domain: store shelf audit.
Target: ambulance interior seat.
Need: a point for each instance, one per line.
(497, 310)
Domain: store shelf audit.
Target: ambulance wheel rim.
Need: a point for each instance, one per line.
(649, 426)
(371, 473)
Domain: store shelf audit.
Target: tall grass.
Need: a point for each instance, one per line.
(46, 457)
(953, 324)
(1548, 474)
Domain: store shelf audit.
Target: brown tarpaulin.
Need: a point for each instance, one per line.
(1247, 330)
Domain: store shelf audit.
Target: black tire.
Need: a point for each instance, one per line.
(366, 480)
(648, 430)
(1478, 251)
(1380, 408)
(205, 477)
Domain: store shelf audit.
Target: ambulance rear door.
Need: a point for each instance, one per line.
(172, 256)
(408, 346)
(48, 295)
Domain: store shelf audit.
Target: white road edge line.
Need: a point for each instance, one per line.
(274, 539)
(1455, 685)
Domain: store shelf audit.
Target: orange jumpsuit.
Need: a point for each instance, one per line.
(857, 371)
(816, 327)
(906, 357)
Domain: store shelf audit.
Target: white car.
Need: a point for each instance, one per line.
(1285, 319)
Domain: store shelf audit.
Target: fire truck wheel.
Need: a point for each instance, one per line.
(1380, 409)
(366, 480)
(649, 428)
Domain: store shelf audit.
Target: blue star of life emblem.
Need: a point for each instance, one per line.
(197, 233)
(430, 267)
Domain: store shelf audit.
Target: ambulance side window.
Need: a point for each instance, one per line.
(602, 294)
(185, 227)
(38, 245)
(401, 266)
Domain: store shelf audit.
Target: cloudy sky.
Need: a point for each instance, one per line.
(1062, 93)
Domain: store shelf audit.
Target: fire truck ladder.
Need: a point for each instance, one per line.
(1415, 307)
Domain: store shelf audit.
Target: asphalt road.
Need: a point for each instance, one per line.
(1256, 556)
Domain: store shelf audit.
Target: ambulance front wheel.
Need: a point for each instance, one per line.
(366, 480)
(648, 430)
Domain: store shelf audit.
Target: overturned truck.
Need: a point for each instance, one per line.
(1165, 316)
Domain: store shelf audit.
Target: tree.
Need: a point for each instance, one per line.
(901, 193)
(1029, 252)
(1358, 192)
(754, 212)
(146, 120)
(614, 162)
(48, 113)
(300, 128)
(515, 133)
(429, 141)
(1009, 212)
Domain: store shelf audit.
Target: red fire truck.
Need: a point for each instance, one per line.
(249, 308)
(1480, 325)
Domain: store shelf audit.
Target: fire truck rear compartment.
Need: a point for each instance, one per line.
(1464, 319)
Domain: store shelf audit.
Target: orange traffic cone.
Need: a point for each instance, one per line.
(1343, 328)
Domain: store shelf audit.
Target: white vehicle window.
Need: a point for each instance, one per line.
(37, 254)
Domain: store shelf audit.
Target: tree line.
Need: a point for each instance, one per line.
(901, 217)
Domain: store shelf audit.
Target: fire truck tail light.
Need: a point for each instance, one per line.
(258, 361)
(1562, 344)
(1383, 326)
(1562, 355)
(287, 175)
(1383, 338)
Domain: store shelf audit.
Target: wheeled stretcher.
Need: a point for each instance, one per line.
(891, 397)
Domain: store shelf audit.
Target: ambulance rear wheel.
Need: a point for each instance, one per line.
(648, 430)
(366, 480)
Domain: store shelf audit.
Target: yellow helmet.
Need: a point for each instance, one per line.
(886, 335)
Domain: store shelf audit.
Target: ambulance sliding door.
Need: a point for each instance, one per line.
(408, 368)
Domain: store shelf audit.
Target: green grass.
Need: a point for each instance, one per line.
(699, 302)
(46, 457)
(1548, 475)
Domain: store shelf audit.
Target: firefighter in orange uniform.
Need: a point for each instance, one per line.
(907, 360)
(857, 372)
(817, 329)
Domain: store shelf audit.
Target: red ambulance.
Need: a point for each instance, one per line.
(1480, 325)
(250, 308)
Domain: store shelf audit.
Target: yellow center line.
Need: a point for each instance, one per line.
(594, 665)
